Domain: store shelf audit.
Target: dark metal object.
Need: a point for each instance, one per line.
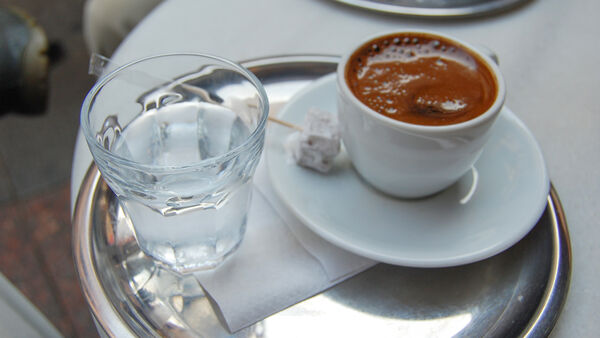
(23, 63)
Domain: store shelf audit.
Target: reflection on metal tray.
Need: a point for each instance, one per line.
(435, 8)
(518, 292)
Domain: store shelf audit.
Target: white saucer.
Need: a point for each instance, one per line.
(446, 229)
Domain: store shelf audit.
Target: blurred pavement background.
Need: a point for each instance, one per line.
(35, 164)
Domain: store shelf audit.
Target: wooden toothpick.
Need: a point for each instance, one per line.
(284, 123)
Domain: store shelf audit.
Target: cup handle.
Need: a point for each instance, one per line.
(485, 50)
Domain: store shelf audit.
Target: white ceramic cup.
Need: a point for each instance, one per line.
(409, 160)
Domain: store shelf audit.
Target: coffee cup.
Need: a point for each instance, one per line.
(416, 109)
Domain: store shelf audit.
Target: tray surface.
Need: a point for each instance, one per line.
(517, 292)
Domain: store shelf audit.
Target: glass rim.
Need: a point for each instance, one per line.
(105, 79)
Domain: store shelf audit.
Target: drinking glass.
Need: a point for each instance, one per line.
(177, 137)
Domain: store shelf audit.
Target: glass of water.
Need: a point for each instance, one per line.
(177, 137)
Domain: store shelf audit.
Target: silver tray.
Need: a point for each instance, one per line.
(519, 292)
(436, 8)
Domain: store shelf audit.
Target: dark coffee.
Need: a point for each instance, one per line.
(422, 79)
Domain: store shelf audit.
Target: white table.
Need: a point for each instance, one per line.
(548, 52)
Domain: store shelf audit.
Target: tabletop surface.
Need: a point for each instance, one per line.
(547, 51)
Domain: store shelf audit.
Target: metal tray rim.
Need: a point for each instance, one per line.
(457, 12)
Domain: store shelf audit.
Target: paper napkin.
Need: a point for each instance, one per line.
(279, 263)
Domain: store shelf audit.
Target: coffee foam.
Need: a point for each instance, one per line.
(409, 49)
(376, 79)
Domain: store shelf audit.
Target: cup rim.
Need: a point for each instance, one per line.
(490, 113)
(122, 161)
